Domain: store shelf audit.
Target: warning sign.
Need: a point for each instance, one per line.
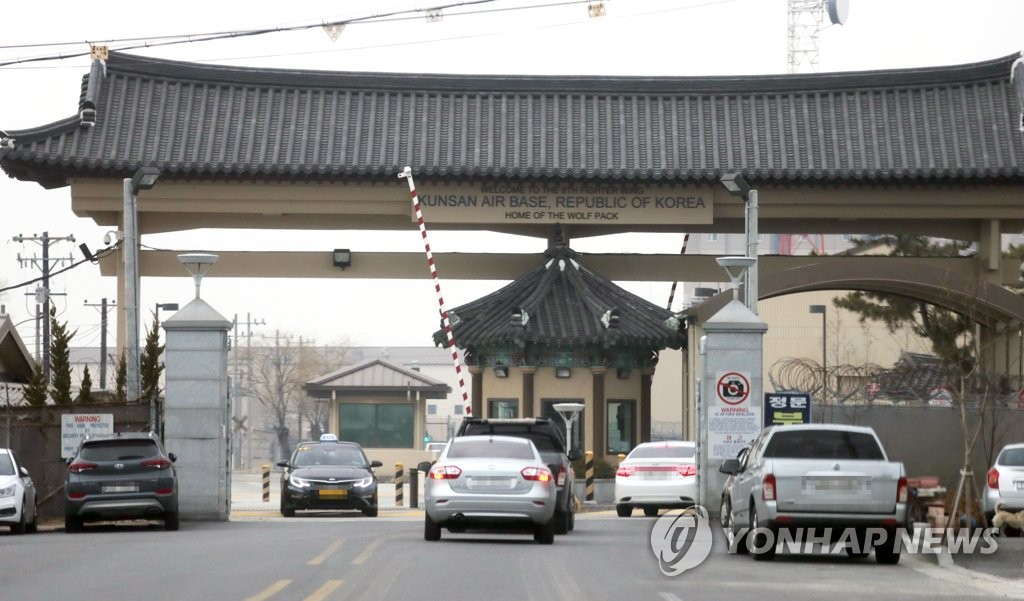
(733, 388)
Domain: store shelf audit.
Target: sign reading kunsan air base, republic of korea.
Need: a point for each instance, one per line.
(733, 421)
(592, 203)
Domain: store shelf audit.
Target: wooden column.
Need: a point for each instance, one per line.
(476, 395)
(527, 404)
(598, 442)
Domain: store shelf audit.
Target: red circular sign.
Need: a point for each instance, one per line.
(733, 388)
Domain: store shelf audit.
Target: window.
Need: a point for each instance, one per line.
(458, 409)
(431, 409)
(712, 237)
(119, 450)
(823, 444)
(548, 410)
(6, 465)
(498, 449)
(621, 426)
(381, 425)
(503, 408)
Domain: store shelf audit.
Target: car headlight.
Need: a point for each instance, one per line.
(363, 483)
(298, 482)
(7, 491)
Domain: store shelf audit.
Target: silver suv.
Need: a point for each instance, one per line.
(123, 476)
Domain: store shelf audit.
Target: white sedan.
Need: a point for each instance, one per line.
(657, 475)
(17, 495)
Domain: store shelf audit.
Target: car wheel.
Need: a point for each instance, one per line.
(651, 512)
(545, 533)
(286, 511)
(33, 526)
(759, 540)
(431, 529)
(723, 512)
(885, 552)
(561, 522)
(171, 521)
(72, 523)
(624, 511)
(572, 521)
(370, 512)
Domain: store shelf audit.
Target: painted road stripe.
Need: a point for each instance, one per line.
(370, 548)
(321, 593)
(331, 548)
(270, 591)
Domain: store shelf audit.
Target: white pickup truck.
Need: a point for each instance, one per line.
(818, 480)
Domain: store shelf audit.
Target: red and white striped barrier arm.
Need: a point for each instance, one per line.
(407, 174)
(672, 293)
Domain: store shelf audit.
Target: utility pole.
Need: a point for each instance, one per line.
(43, 264)
(103, 338)
(241, 410)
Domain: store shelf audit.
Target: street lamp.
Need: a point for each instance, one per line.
(143, 179)
(165, 307)
(738, 186)
(736, 267)
(824, 355)
(197, 264)
(569, 413)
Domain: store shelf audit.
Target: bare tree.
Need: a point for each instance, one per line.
(277, 384)
(313, 362)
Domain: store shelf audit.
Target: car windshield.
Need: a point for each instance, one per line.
(119, 450)
(823, 444)
(341, 456)
(6, 465)
(1012, 457)
(663, 452)
(500, 449)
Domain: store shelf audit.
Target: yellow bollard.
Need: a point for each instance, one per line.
(589, 468)
(266, 482)
(621, 457)
(399, 484)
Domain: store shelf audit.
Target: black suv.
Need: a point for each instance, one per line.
(329, 474)
(124, 476)
(550, 441)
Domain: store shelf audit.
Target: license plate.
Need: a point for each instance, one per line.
(333, 494)
(113, 488)
(498, 483)
(836, 484)
(1019, 484)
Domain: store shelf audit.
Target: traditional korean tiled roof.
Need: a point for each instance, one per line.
(932, 124)
(377, 376)
(562, 303)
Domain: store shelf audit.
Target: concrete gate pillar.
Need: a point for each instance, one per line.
(196, 411)
(730, 394)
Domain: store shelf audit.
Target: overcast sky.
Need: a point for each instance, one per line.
(636, 37)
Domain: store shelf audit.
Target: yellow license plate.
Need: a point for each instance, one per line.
(333, 494)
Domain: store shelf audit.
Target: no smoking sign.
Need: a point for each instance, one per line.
(733, 388)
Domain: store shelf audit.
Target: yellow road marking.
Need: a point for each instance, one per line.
(270, 591)
(370, 548)
(321, 593)
(331, 548)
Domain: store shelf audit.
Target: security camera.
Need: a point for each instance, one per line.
(109, 238)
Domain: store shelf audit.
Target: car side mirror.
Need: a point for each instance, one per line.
(424, 466)
(730, 466)
(172, 457)
(24, 472)
(376, 463)
(283, 464)
(575, 454)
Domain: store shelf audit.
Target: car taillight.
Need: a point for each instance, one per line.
(993, 478)
(81, 466)
(560, 477)
(164, 491)
(625, 471)
(768, 488)
(76, 495)
(902, 491)
(686, 470)
(160, 463)
(445, 472)
(538, 474)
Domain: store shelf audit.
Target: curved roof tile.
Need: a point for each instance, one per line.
(940, 124)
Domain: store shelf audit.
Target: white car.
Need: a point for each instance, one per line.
(657, 475)
(17, 495)
(490, 483)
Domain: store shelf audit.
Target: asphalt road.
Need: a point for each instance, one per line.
(323, 556)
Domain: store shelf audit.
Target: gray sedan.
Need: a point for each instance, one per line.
(490, 483)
